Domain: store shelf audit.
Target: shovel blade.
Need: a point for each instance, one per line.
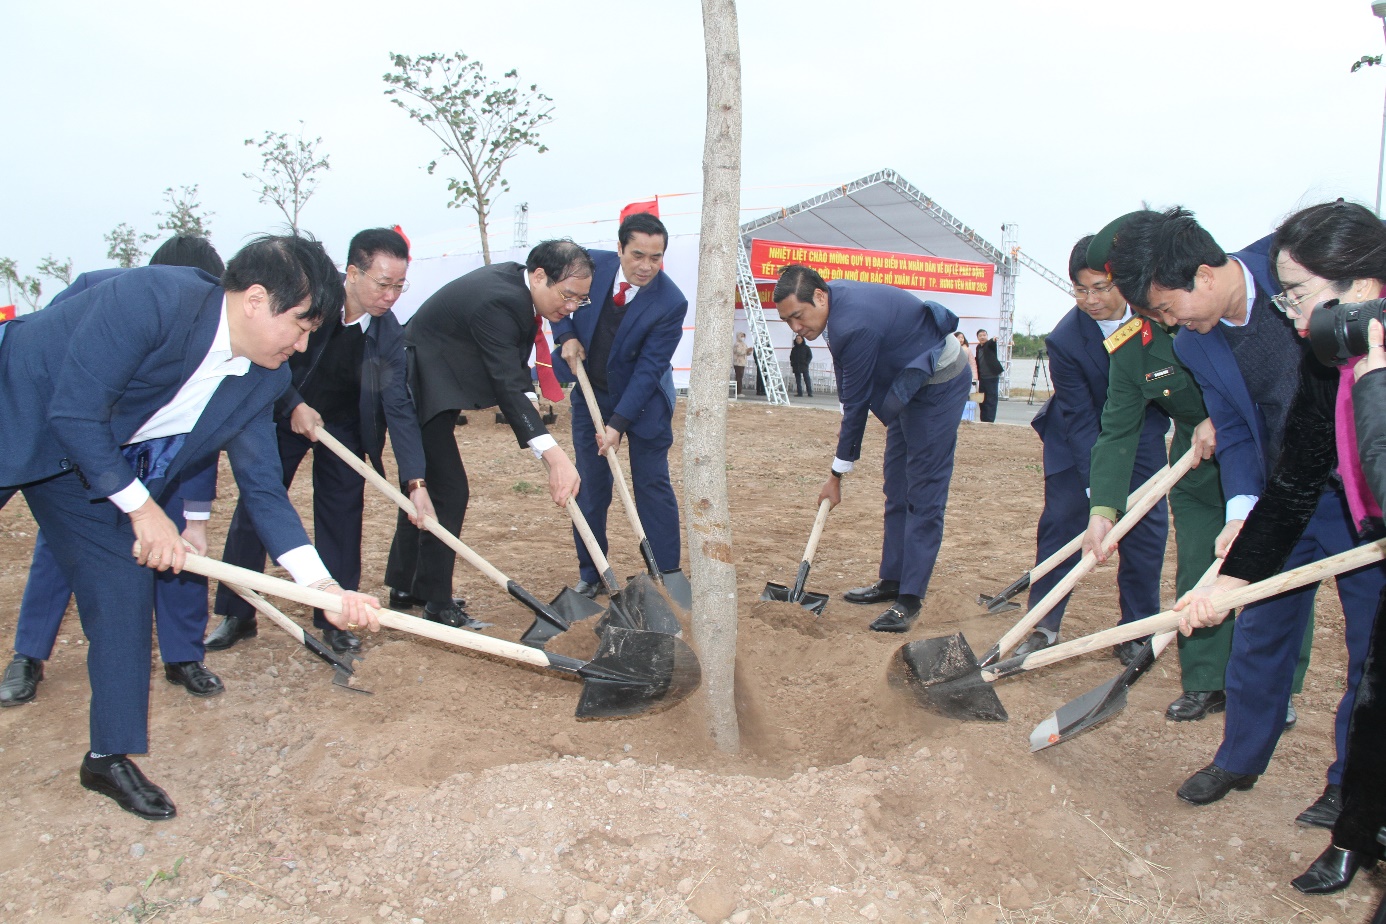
(680, 591)
(1095, 706)
(810, 601)
(943, 676)
(636, 672)
(569, 604)
(642, 607)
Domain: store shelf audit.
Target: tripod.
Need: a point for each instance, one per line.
(1041, 368)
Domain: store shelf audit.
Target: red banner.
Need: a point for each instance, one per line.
(765, 290)
(903, 270)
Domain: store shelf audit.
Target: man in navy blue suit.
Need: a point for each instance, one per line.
(1069, 424)
(626, 338)
(1238, 345)
(897, 357)
(111, 397)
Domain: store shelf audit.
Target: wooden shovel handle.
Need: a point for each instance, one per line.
(1076, 543)
(393, 493)
(267, 584)
(823, 507)
(1163, 640)
(588, 538)
(618, 474)
(1358, 557)
(1156, 488)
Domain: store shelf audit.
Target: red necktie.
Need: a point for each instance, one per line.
(620, 297)
(543, 360)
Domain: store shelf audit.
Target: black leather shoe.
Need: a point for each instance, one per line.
(193, 677)
(590, 591)
(400, 600)
(1037, 641)
(1331, 872)
(340, 640)
(1324, 812)
(1291, 717)
(894, 620)
(130, 789)
(456, 617)
(1126, 652)
(1195, 705)
(21, 680)
(1212, 783)
(231, 631)
(879, 592)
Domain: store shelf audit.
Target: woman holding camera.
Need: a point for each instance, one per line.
(1331, 251)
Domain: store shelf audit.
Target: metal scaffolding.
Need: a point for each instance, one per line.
(766, 362)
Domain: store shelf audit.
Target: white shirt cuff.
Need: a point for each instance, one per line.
(841, 465)
(130, 497)
(1239, 506)
(191, 515)
(304, 565)
(541, 444)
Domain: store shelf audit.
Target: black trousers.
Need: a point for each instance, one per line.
(803, 382)
(419, 564)
(1364, 770)
(991, 389)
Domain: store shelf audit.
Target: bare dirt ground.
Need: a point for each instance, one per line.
(464, 789)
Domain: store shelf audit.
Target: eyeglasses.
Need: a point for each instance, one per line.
(1083, 292)
(579, 301)
(1293, 305)
(399, 287)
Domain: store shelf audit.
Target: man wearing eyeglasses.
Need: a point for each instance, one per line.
(350, 382)
(470, 344)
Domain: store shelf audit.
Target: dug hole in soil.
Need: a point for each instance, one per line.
(465, 790)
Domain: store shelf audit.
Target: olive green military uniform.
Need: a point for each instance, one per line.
(1143, 369)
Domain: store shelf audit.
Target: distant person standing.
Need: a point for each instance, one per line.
(971, 360)
(740, 352)
(800, 357)
(988, 374)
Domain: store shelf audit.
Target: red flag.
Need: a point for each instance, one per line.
(6, 312)
(400, 231)
(636, 208)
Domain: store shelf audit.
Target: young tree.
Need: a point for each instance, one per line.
(49, 266)
(705, 428)
(29, 287)
(480, 121)
(287, 165)
(125, 245)
(185, 216)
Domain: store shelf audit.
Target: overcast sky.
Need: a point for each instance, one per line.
(1057, 116)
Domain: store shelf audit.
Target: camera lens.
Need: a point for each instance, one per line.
(1338, 333)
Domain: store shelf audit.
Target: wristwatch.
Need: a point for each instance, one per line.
(414, 484)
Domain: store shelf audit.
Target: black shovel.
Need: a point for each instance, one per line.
(1002, 600)
(812, 602)
(633, 672)
(674, 580)
(342, 668)
(944, 677)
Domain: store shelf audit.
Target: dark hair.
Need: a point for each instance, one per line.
(1338, 241)
(1078, 257)
(641, 223)
(366, 244)
(959, 334)
(982, 331)
(799, 281)
(196, 252)
(560, 260)
(291, 268)
(1164, 249)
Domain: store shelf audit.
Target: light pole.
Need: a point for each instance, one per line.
(1379, 10)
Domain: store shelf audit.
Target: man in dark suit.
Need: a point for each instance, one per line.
(626, 342)
(180, 599)
(351, 382)
(988, 375)
(897, 357)
(470, 344)
(116, 394)
(1247, 359)
(1069, 424)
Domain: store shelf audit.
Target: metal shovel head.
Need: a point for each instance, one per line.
(676, 583)
(810, 601)
(943, 675)
(641, 606)
(1095, 706)
(996, 604)
(569, 604)
(636, 672)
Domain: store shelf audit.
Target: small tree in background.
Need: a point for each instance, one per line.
(29, 287)
(185, 216)
(50, 267)
(287, 166)
(480, 121)
(125, 245)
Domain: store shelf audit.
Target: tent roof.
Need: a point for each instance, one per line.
(877, 212)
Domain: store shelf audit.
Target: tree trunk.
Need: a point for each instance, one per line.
(705, 433)
(481, 228)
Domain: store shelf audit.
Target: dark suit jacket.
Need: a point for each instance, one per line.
(884, 343)
(470, 344)
(638, 373)
(1070, 421)
(80, 377)
(385, 399)
(1243, 455)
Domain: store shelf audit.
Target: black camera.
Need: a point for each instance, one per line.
(1338, 333)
